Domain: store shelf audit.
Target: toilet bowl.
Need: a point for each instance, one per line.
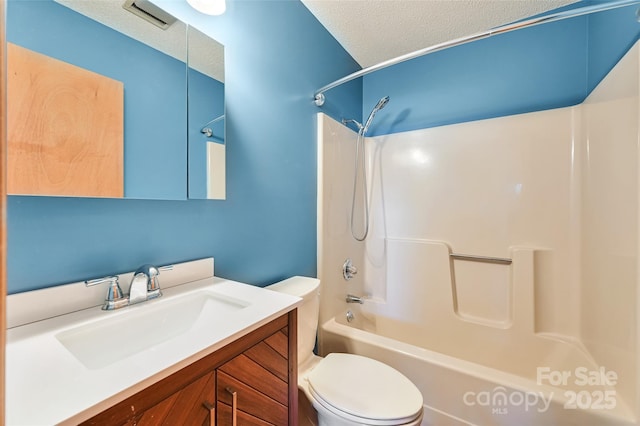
(347, 389)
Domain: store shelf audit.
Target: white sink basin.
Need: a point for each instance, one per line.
(120, 334)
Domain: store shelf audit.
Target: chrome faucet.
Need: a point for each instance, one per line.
(144, 286)
(354, 299)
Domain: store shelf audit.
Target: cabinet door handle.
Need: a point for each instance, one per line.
(212, 413)
(234, 406)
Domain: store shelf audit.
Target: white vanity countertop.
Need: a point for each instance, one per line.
(46, 384)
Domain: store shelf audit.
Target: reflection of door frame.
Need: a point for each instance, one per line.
(3, 200)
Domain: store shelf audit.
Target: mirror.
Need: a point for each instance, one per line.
(101, 39)
(206, 117)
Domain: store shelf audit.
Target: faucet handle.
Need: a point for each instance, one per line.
(153, 283)
(348, 270)
(151, 272)
(148, 270)
(115, 298)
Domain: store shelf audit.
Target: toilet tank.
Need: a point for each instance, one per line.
(309, 290)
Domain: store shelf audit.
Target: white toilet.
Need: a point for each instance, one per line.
(347, 389)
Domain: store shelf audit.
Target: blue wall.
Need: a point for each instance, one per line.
(154, 89)
(276, 56)
(543, 67)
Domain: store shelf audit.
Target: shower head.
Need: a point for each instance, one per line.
(381, 104)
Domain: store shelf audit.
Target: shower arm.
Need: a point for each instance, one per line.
(558, 16)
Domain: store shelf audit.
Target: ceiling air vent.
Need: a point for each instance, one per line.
(149, 12)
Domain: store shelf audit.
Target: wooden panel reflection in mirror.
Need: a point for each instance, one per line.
(65, 128)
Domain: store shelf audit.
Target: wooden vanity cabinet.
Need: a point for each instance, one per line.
(251, 381)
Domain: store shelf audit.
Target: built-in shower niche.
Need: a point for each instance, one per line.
(452, 304)
(432, 286)
(481, 292)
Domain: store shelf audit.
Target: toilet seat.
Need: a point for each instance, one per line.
(364, 390)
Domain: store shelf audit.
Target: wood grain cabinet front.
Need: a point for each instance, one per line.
(252, 381)
(254, 385)
(192, 405)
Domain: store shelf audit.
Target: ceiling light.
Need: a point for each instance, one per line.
(209, 7)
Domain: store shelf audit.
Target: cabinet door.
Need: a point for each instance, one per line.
(254, 386)
(192, 405)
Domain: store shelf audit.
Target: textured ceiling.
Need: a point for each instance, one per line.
(205, 54)
(373, 31)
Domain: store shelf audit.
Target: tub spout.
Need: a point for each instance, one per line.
(354, 299)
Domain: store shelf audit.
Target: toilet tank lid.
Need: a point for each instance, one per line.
(297, 286)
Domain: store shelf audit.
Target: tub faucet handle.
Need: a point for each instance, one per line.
(348, 270)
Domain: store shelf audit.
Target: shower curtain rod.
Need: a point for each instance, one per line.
(558, 16)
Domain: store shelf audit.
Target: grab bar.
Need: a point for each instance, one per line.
(486, 259)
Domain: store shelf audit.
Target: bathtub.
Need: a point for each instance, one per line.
(460, 392)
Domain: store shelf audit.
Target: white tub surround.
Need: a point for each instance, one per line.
(554, 196)
(41, 368)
